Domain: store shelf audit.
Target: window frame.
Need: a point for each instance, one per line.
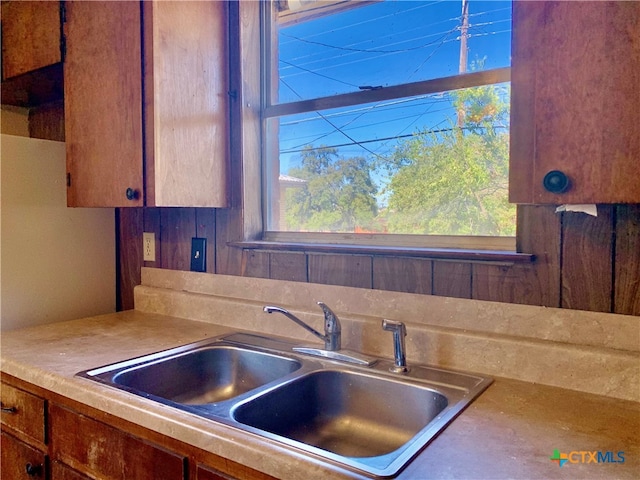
(269, 110)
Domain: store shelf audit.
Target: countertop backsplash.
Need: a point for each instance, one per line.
(585, 351)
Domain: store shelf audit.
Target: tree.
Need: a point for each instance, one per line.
(338, 194)
(455, 182)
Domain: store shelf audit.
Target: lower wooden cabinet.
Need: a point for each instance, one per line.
(60, 471)
(23, 412)
(106, 452)
(23, 449)
(19, 460)
(204, 473)
(44, 436)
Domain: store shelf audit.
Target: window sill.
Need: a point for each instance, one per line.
(462, 255)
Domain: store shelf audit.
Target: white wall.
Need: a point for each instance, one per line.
(14, 120)
(56, 263)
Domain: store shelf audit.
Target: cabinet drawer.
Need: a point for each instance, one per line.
(92, 447)
(19, 460)
(23, 412)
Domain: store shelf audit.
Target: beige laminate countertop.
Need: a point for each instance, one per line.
(510, 431)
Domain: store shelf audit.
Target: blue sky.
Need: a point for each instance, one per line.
(386, 43)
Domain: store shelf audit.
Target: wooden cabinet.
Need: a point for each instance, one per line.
(575, 87)
(30, 36)
(23, 412)
(105, 452)
(146, 103)
(31, 53)
(203, 473)
(51, 437)
(19, 460)
(60, 471)
(23, 451)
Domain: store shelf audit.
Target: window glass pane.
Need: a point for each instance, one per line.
(402, 166)
(389, 43)
(429, 164)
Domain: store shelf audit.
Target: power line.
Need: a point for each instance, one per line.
(381, 107)
(338, 129)
(351, 50)
(396, 137)
(417, 116)
(383, 18)
(315, 73)
(348, 48)
(351, 47)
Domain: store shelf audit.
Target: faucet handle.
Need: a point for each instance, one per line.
(332, 328)
(331, 321)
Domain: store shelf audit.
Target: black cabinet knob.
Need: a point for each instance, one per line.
(132, 194)
(33, 470)
(556, 181)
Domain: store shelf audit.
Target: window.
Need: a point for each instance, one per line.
(387, 122)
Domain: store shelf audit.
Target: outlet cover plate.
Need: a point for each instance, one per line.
(198, 254)
(148, 246)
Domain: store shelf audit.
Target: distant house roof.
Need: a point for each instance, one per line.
(287, 180)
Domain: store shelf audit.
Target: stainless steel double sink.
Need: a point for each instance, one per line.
(364, 418)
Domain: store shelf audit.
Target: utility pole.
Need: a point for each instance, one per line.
(464, 34)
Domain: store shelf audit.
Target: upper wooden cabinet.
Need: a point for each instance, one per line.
(146, 103)
(30, 36)
(575, 105)
(31, 53)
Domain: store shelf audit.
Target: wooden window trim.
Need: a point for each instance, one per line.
(484, 256)
(249, 231)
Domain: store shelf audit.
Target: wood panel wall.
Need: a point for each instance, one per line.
(582, 262)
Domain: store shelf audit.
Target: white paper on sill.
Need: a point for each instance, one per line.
(589, 209)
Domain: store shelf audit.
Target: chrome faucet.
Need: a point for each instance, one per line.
(332, 329)
(399, 352)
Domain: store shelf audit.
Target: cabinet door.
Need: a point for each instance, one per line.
(203, 473)
(59, 471)
(19, 460)
(575, 101)
(103, 103)
(186, 98)
(30, 36)
(105, 452)
(23, 412)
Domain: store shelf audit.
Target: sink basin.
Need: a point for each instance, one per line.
(350, 414)
(201, 376)
(359, 417)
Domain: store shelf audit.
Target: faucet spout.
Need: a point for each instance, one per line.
(399, 351)
(332, 330)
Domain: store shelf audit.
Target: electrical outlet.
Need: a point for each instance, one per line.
(149, 246)
(198, 254)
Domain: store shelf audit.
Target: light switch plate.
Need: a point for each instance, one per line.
(198, 254)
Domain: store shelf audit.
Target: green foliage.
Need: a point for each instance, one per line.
(450, 183)
(338, 194)
(455, 182)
